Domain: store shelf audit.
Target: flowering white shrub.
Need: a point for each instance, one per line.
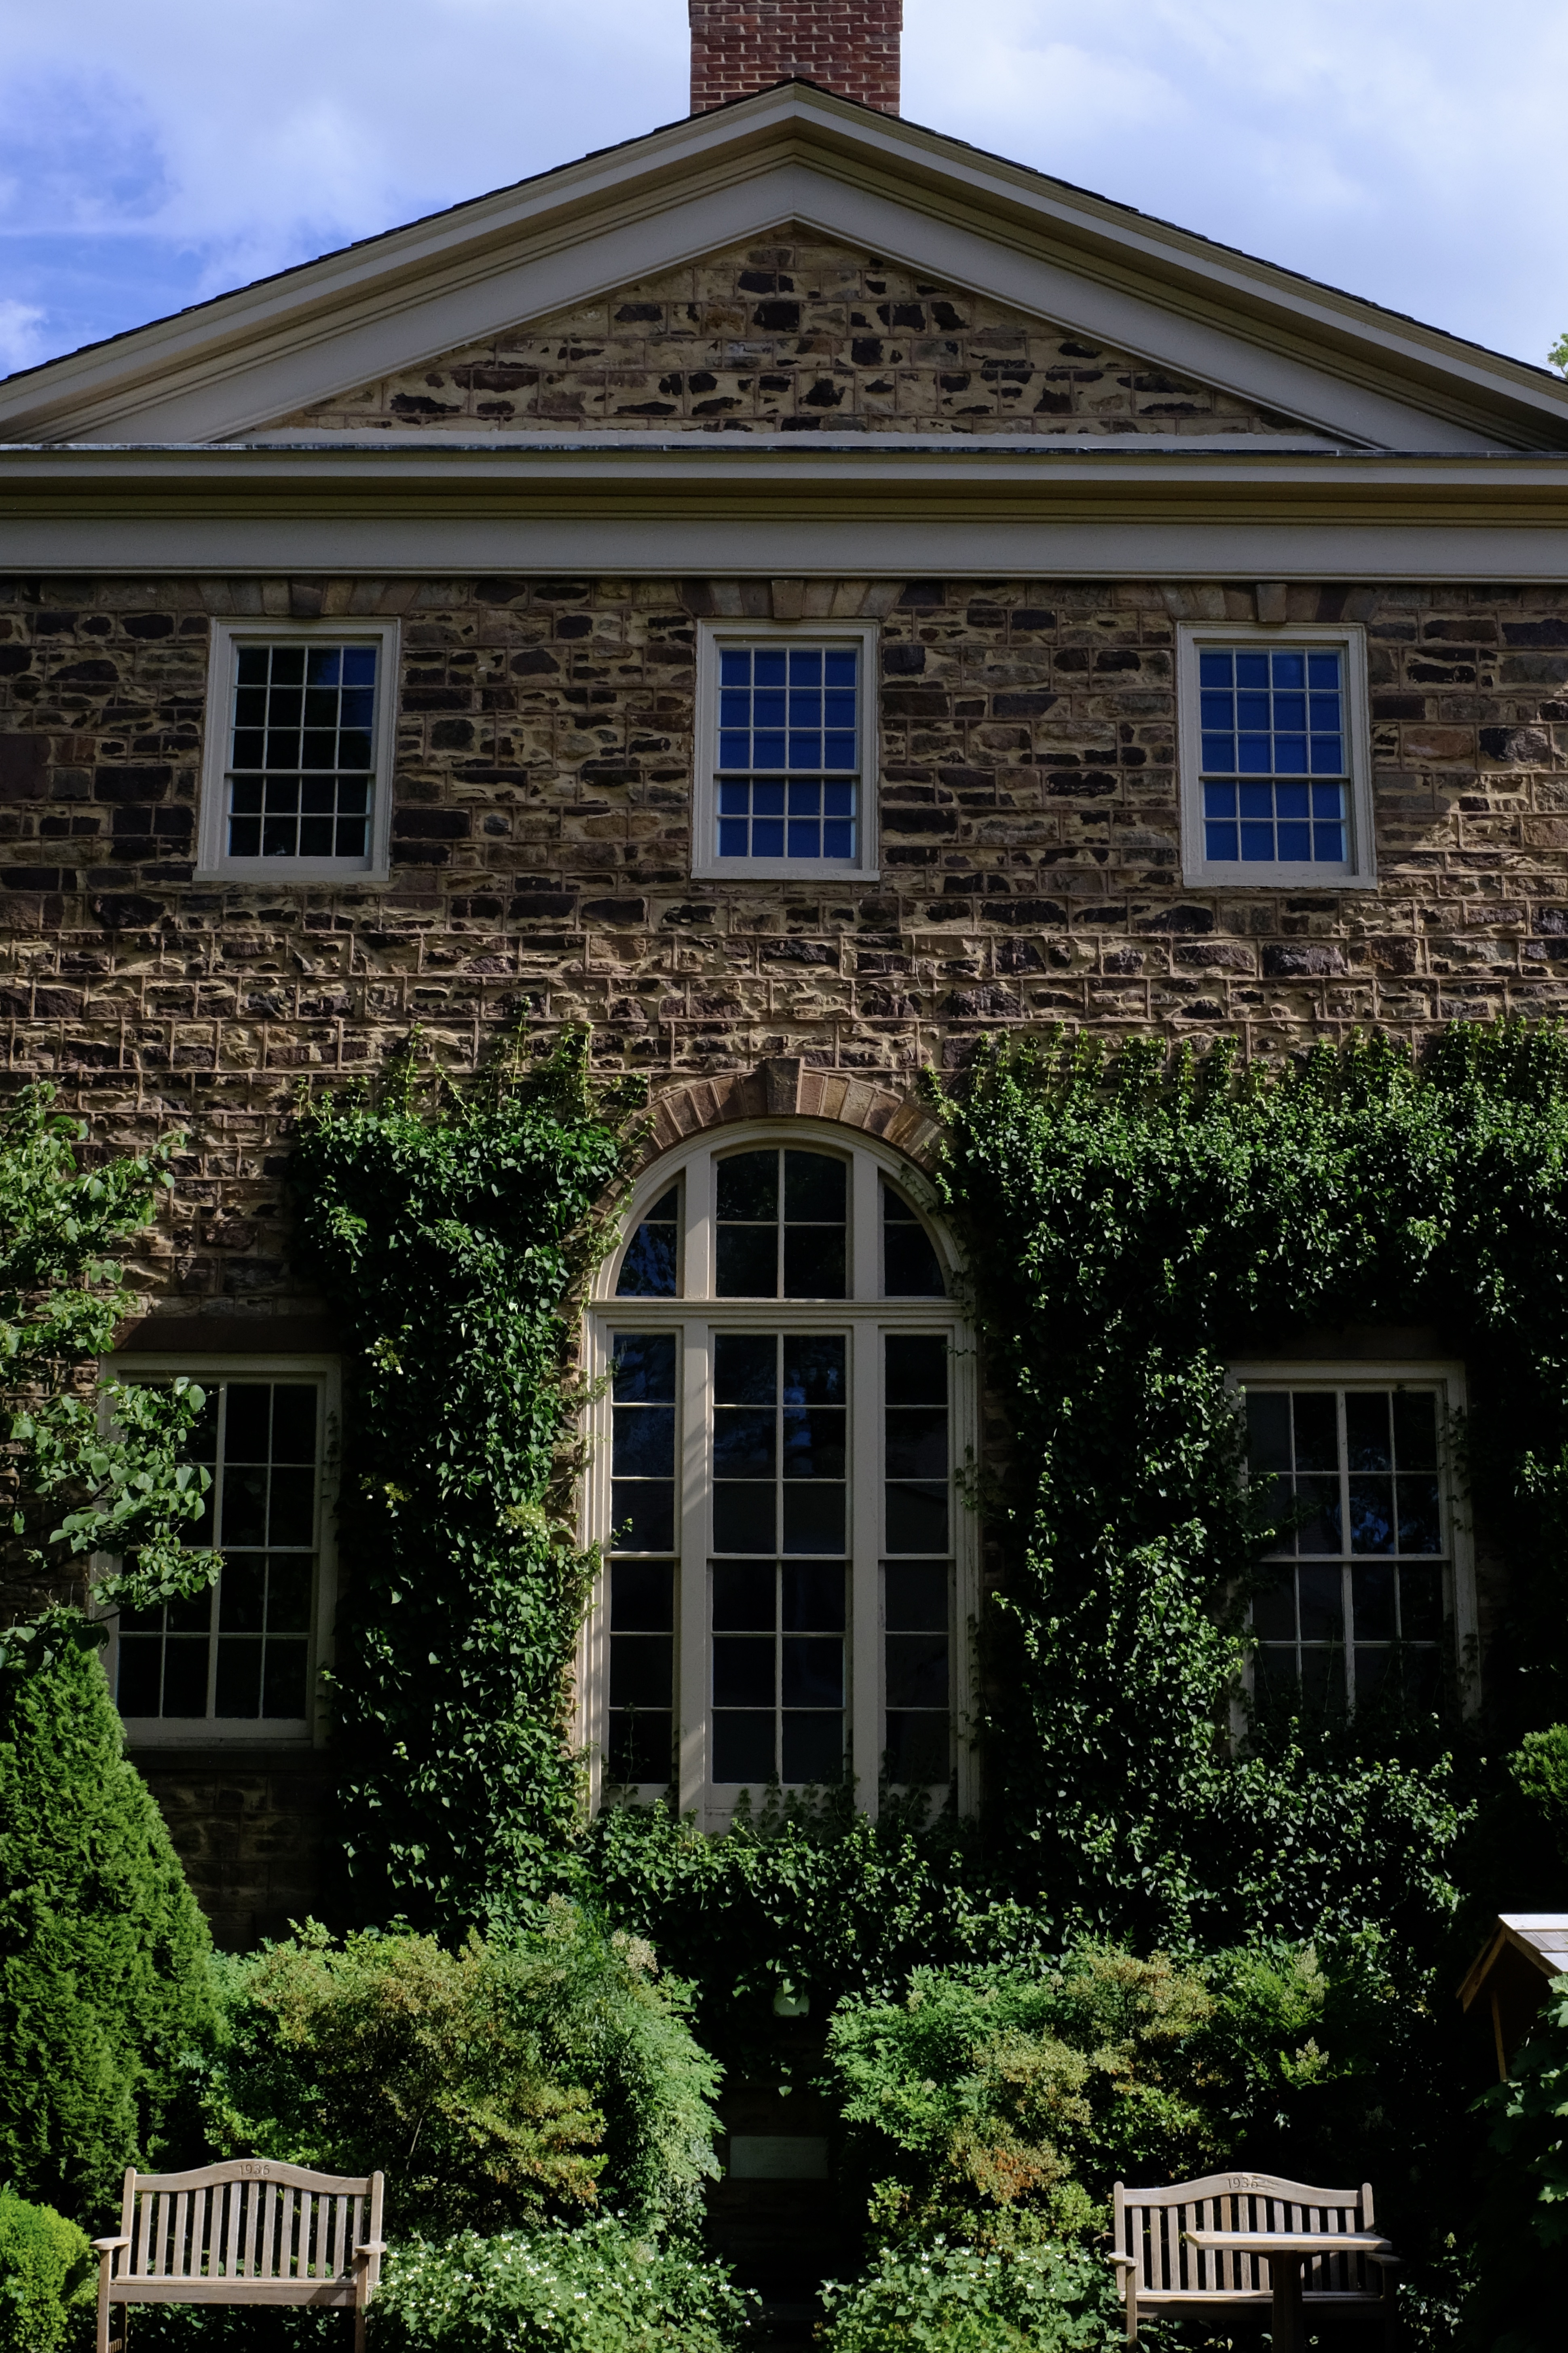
(602, 2287)
(938, 2298)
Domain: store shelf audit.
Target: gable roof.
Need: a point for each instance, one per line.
(1266, 337)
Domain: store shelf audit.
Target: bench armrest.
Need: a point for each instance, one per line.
(372, 2247)
(1128, 2262)
(1384, 2262)
(107, 2246)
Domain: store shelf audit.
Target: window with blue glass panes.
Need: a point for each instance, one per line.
(301, 766)
(789, 741)
(1276, 775)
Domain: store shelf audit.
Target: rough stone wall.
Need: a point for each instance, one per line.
(541, 845)
(848, 46)
(793, 336)
(543, 854)
(253, 1833)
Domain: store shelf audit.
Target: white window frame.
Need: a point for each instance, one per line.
(1447, 1378)
(694, 1316)
(712, 637)
(212, 861)
(1359, 871)
(310, 1731)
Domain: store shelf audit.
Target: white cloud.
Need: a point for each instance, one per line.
(22, 342)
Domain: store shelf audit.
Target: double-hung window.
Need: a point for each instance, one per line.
(788, 1569)
(240, 1661)
(297, 781)
(1370, 1594)
(1275, 783)
(785, 763)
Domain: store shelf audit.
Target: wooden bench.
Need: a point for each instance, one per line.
(1161, 2273)
(251, 2231)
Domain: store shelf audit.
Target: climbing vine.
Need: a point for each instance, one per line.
(1132, 1226)
(445, 1238)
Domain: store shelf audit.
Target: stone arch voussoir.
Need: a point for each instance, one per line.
(784, 1085)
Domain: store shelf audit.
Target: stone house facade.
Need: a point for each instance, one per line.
(791, 377)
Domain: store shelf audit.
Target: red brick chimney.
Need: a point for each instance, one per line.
(848, 46)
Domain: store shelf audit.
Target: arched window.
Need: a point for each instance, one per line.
(787, 1399)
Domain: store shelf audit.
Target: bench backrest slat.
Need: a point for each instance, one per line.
(223, 2225)
(1149, 2225)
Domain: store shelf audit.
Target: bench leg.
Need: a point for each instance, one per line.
(359, 2328)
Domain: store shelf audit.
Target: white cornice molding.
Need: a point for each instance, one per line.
(792, 153)
(864, 510)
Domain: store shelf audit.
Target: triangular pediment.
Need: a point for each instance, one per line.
(797, 334)
(525, 299)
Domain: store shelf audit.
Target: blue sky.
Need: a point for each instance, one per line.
(156, 153)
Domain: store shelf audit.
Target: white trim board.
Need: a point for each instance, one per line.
(430, 546)
(842, 171)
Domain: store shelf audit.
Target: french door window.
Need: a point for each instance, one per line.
(787, 1567)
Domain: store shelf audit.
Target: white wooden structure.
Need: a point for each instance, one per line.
(1160, 2271)
(247, 2232)
(1514, 1969)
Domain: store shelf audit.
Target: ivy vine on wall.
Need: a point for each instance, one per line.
(444, 1242)
(1132, 1226)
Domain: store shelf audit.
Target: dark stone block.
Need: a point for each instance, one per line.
(31, 878)
(149, 625)
(1028, 915)
(431, 825)
(542, 906)
(24, 767)
(1178, 919)
(88, 673)
(903, 661)
(127, 911)
(778, 318)
(628, 912)
(914, 701)
(132, 784)
(437, 698)
(924, 820)
(1030, 702)
(1310, 960)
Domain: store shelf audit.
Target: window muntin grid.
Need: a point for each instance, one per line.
(299, 780)
(917, 1568)
(782, 1225)
(787, 776)
(642, 1568)
(1360, 1606)
(1275, 755)
(240, 1651)
(650, 1264)
(779, 1570)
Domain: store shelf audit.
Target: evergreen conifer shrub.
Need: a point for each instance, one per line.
(102, 1949)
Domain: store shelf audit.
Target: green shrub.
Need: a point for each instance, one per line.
(1000, 2104)
(102, 1976)
(47, 2268)
(491, 2085)
(1540, 1770)
(961, 2299)
(601, 2288)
